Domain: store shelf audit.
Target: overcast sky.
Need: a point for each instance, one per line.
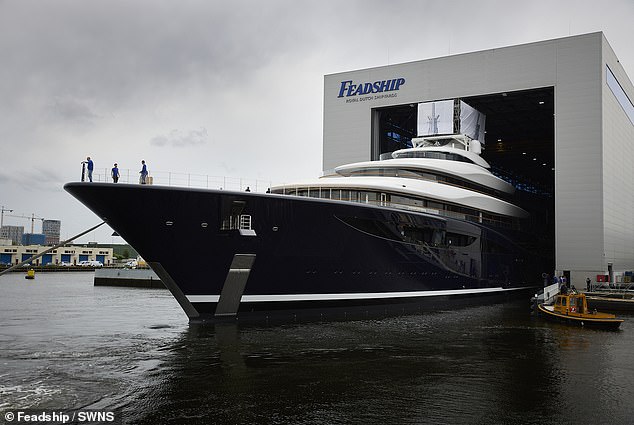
(220, 88)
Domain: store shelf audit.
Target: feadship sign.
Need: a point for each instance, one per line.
(356, 92)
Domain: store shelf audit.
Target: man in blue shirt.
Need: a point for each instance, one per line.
(115, 173)
(90, 167)
(143, 173)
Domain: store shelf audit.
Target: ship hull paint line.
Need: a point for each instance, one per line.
(353, 296)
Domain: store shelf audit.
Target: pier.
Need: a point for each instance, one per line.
(611, 300)
(136, 278)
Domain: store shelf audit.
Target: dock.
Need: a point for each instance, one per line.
(615, 299)
(134, 278)
(611, 301)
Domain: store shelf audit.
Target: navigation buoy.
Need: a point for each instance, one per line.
(30, 274)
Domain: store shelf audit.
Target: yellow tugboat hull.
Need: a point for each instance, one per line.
(597, 320)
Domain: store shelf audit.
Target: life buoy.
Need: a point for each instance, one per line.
(573, 309)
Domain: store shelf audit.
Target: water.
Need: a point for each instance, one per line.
(66, 345)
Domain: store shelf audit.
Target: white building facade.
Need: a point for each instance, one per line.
(592, 143)
(72, 255)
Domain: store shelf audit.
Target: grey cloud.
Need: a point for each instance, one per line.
(177, 138)
(4, 178)
(121, 52)
(73, 110)
(34, 180)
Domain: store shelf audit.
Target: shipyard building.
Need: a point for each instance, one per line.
(555, 119)
(65, 255)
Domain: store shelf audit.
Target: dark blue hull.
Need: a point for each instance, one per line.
(306, 256)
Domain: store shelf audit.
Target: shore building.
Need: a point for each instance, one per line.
(51, 229)
(13, 233)
(33, 239)
(68, 255)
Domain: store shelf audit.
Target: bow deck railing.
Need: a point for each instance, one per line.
(169, 178)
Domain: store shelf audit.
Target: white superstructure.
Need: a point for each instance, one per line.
(442, 175)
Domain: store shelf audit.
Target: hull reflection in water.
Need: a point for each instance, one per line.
(475, 365)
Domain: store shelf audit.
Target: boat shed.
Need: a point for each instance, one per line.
(559, 122)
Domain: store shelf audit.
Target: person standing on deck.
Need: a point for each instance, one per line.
(90, 167)
(143, 173)
(115, 173)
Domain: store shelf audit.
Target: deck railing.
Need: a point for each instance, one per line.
(170, 178)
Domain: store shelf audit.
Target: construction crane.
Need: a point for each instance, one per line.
(2, 211)
(32, 218)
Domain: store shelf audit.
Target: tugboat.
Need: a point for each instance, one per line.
(572, 308)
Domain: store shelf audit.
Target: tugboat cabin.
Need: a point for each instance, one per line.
(571, 303)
